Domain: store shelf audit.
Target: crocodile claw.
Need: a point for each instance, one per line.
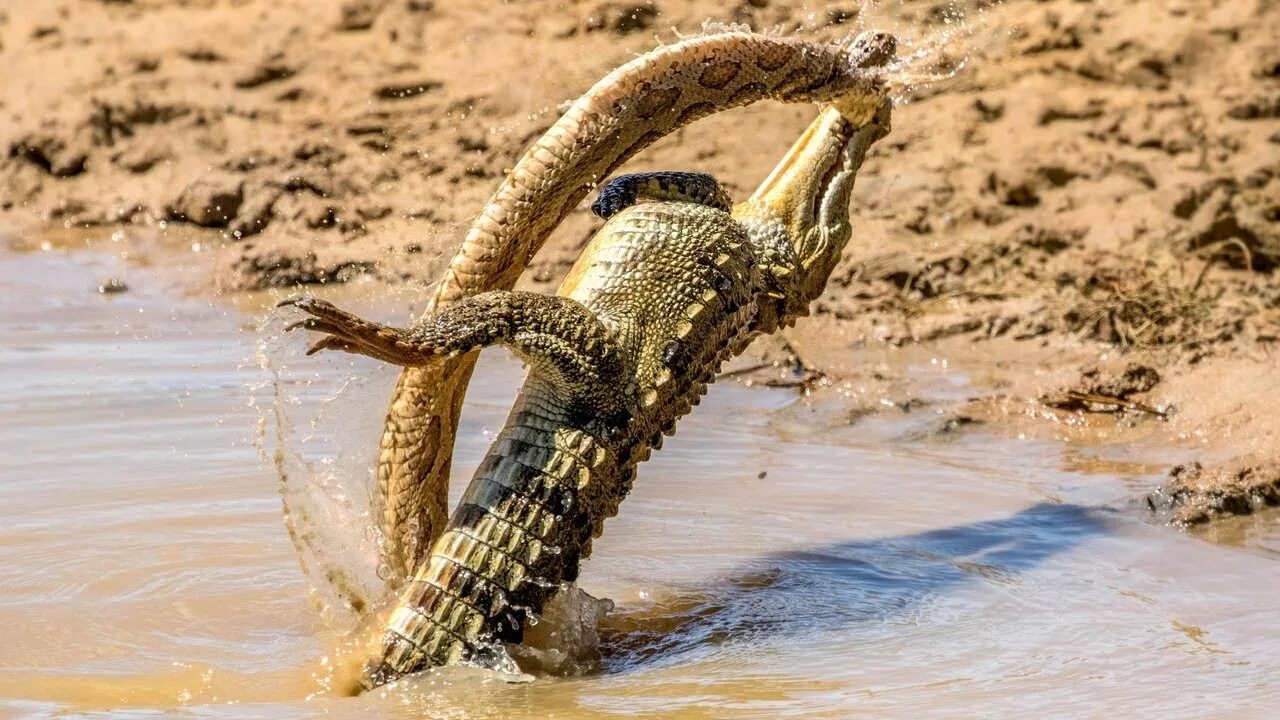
(333, 343)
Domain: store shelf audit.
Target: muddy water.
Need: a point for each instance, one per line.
(773, 560)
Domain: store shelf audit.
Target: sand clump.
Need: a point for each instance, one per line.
(1098, 187)
(1195, 494)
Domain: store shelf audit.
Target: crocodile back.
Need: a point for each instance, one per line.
(675, 285)
(662, 275)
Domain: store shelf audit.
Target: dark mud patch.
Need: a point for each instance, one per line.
(1103, 391)
(1195, 494)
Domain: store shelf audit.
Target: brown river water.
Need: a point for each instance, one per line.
(774, 560)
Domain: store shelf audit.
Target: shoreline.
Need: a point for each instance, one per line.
(1208, 423)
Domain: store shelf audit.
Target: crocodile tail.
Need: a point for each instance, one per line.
(630, 109)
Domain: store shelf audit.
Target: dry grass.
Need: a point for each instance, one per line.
(1144, 305)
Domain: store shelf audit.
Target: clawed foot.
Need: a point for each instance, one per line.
(348, 333)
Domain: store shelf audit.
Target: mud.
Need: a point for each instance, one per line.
(1196, 495)
(1098, 186)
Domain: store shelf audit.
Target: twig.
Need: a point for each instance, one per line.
(743, 371)
(805, 365)
(1077, 400)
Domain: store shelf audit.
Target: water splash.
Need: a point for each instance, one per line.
(933, 49)
(567, 640)
(308, 432)
(319, 420)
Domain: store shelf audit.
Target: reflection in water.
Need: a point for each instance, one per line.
(825, 588)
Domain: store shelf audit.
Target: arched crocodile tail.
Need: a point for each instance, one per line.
(631, 108)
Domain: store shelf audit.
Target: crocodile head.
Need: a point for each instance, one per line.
(799, 216)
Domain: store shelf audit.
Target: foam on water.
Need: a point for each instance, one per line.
(307, 432)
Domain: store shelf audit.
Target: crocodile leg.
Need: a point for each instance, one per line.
(695, 187)
(560, 339)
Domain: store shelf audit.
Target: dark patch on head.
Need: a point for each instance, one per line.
(617, 194)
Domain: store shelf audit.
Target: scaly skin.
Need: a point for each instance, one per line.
(665, 292)
(625, 112)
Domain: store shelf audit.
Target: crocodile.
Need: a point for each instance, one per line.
(674, 283)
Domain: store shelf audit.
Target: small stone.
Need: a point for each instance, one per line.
(201, 54)
(1257, 108)
(359, 14)
(1013, 189)
(989, 111)
(400, 90)
(255, 213)
(841, 15)
(210, 201)
(139, 160)
(113, 286)
(268, 71)
(622, 17)
(1196, 494)
(53, 154)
